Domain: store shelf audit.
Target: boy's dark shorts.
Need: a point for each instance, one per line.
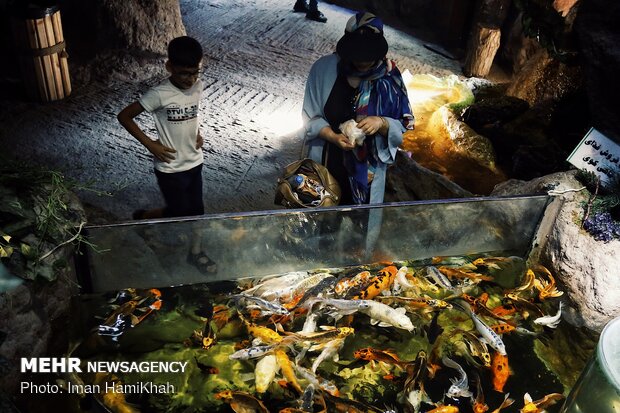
(182, 192)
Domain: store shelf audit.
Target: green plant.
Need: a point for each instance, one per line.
(39, 215)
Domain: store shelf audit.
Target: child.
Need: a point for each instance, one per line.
(177, 152)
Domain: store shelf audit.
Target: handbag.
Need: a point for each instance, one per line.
(320, 187)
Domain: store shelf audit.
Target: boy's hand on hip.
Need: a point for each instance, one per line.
(161, 152)
(199, 141)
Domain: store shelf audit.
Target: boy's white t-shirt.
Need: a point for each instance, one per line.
(175, 112)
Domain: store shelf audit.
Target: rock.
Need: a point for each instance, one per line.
(407, 180)
(545, 78)
(586, 269)
(493, 110)
(596, 26)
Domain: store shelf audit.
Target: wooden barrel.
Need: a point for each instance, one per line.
(41, 47)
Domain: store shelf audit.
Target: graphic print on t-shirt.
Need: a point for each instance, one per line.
(180, 114)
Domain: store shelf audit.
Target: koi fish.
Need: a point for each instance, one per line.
(485, 331)
(344, 307)
(320, 383)
(242, 402)
(525, 304)
(546, 289)
(464, 274)
(329, 351)
(287, 369)
(323, 285)
(343, 286)
(386, 316)
(459, 387)
(266, 307)
(416, 303)
(477, 404)
(433, 329)
(503, 328)
(264, 372)
(504, 310)
(501, 371)
(386, 356)
(114, 400)
(507, 402)
(528, 282)
(264, 334)
(252, 352)
(540, 405)
(439, 279)
(550, 321)
(476, 347)
(329, 334)
(382, 281)
(444, 409)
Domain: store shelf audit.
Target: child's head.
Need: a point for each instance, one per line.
(185, 51)
(184, 61)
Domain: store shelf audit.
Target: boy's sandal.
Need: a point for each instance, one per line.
(203, 262)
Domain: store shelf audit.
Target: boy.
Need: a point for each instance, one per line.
(177, 152)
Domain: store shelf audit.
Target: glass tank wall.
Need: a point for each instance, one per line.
(144, 254)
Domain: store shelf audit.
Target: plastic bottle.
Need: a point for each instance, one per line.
(296, 181)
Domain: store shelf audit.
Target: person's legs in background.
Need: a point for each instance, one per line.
(311, 10)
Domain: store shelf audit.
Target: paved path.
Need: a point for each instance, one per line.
(258, 56)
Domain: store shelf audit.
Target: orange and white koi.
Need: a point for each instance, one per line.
(500, 370)
(380, 282)
(539, 405)
(343, 286)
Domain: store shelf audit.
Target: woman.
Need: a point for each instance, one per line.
(357, 82)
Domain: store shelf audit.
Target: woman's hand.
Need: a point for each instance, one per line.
(343, 142)
(338, 139)
(374, 124)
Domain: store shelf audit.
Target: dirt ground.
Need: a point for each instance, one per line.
(258, 54)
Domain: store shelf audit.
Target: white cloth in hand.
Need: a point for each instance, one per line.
(350, 130)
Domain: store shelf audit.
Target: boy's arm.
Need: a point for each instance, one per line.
(126, 118)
